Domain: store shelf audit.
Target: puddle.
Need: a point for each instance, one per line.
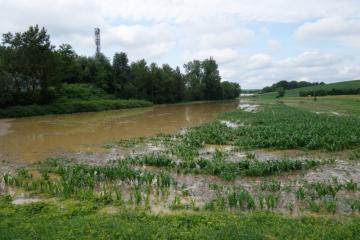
(230, 124)
(23, 200)
(248, 107)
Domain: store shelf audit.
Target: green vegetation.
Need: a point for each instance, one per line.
(72, 106)
(322, 92)
(83, 220)
(284, 127)
(280, 92)
(281, 127)
(33, 72)
(211, 180)
(219, 166)
(288, 85)
(343, 86)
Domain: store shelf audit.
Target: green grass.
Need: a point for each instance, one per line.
(71, 106)
(275, 126)
(73, 98)
(83, 220)
(228, 170)
(355, 84)
(81, 181)
(283, 127)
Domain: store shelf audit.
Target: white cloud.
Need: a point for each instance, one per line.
(259, 70)
(273, 45)
(226, 39)
(259, 61)
(262, 10)
(239, 34)
(222, 56)
(346, 31)
(310, 59)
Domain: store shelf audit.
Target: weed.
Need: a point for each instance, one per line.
(330, 206)
(300, 193)
(273, 186)
(351, 185)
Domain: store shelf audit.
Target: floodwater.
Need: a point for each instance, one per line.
(36, 138)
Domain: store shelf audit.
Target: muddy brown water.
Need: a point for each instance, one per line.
(36, 138)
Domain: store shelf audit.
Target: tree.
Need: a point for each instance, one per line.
(230, 90)
(28, 58)
(67, 69)
(121, 74)
(6, 89)
(193, 80)
(178, 86)
(280, 92)
(140, 78)
(32, 71)
(211, 79)
(102, 73)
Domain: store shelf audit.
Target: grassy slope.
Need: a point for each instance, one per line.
(295, 92)
(72, 106)
(83, 220)
(73, 98)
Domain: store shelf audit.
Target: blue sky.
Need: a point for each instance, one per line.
(256, 43)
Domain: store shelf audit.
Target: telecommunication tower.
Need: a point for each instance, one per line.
(97, 40)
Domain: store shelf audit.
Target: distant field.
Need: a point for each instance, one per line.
(295, 92)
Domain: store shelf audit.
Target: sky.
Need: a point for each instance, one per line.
(255, 43)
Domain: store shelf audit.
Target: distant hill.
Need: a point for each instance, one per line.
(288, 85)
(354, 84)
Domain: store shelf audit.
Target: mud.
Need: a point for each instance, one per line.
(37, 138)
(5, 126)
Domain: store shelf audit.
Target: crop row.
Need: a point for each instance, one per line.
(281, 127)
(228, 170)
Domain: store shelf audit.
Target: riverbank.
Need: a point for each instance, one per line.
(260, 171)
(78, 106)
(88, 220)
(72, 106)
(34, 139)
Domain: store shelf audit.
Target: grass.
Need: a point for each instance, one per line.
(134, 184)
(73, 98)
(72, 106)
(275, 126)
(83, 220)
(355, 84)
(81, 181)
(283, 127)
(228, 170)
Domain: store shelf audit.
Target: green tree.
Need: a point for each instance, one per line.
(121, 75)
(230, 90)
(193, 80)
(67, 67)
(211, 79)
(280, 92)
(140, 78)
(178, 86)
(28, 58)
(102, 73)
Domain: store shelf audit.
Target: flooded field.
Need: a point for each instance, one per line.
(35, 138)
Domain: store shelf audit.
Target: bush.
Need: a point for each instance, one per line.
(72, 106)
(281, 92)
(82, 91)
(333, 91)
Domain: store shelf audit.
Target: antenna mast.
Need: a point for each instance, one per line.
(97, 40)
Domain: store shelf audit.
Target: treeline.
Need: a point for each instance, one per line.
(333, 91)
(287, 85)
(33, 71)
